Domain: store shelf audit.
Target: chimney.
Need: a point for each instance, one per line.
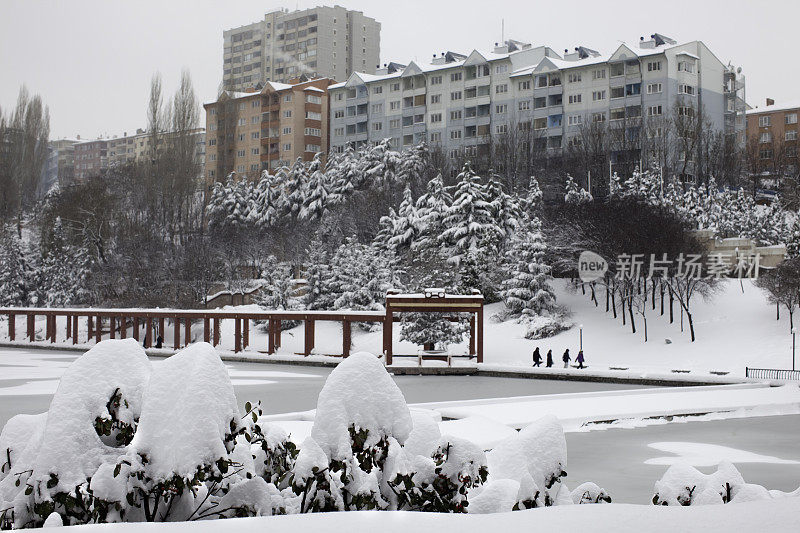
(770, 102)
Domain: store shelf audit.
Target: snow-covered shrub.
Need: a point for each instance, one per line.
(274, 455)
(542, 327)
(683, 484)
(589, 493)
(124, 442)
(360, 414)
(440, 482)
(535, 458)
(99, 398)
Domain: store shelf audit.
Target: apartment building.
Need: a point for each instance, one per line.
(93, 158)
(329, 42)
(772, 138)
(461, 102)
(266, 127)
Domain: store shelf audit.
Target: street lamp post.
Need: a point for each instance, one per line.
(580, 328)
(794, 331)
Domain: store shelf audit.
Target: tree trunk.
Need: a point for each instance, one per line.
(777, 311)
(630, 312)
(594, 296)
(661, 287)
(622, 309)
(614, 303)
(607, 298)
(671, 301)
(645, 327)
(691, 324)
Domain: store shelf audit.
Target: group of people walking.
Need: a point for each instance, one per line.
(537, 358)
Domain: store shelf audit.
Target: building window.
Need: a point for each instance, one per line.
(500, 89)
(686, 89)
(525, 85)
(653, 66)
(436, 137)
(574, 78)
(394, 87)
(436, 80)
(598, 117)
(653, 88)
(618, 113)
(503, 108)
(618, 92)
(455, 95)
(455, 115)
(790, 118)
(314, 132)
(287, 130)
(314, 148)
(575, 120)
(500, 69)
(287, 97)
(254, 135)
(378, 126)
(313, 99)
(575, 98)
(456, 76)
(436, 117)
(765, 137)
(686, 66)
(377, 90)
(599, 74)
(455, 134)
(765, 154)
(338, 132)
(617, 69)
(436, 98)
(338, 114)
(764, 121)
(598, 95)
(501, 129)
(791, 135)
(287, 113)
(240, 153)
(287, 147)
(654, 110)
(254, 151)
(394, 123)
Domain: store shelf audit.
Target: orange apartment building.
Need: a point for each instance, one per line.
(772, 138)
(266, 127)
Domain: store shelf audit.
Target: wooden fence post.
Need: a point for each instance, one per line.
(161, 331)
(346, 338)
(237, 335)
(245, 333)
(271, 336)
(176, 336)
(98, 330)
(31, 327)
(12, 326)
(112, 326)
(216, 331)
(136, 328)
(387, 335)
(472, 334)
(187, 332)
(206, 329)
(74, 329)
(123, 327)
(480, 334)
(89, 329)
(309, 331)
(148, 335)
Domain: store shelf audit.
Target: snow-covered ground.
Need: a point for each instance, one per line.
(775, 516)
(737, 328)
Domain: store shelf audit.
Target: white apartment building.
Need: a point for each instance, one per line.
(330, 42)
(461, 102)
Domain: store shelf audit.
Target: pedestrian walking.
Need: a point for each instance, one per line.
(580, 359)
(566, 358)
(549, 358)
(537, 357)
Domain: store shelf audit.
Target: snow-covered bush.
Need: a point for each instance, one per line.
(124, 442)
(589, 493)
(683, 484)
(360, 414)
(535, 459)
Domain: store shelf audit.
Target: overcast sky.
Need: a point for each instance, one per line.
(92, 61)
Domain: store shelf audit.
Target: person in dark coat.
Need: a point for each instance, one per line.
(566, 358)
(159, 341)
(537, 357)
(580, 359)
(549, 358)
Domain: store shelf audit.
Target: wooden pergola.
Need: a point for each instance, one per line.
(436, 301)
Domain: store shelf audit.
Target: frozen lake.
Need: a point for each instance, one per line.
(621, 460)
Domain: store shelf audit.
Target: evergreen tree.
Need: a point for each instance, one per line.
(532, 203)
(527, 290)
(63, 272)
(405, 229)
(16, 273)
(317, 274)
(315, 203)
(432, 207)
(266, 202)
(575, 195)
(468, 223)
(386, 231)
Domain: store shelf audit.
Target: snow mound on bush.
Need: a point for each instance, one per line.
(683, 484)
(70, 447)
(359, 392)
(535, 457)
(188, 410)
(20, 433)
(496, 496)
(589, 493)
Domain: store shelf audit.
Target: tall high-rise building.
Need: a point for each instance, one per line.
(330, 42)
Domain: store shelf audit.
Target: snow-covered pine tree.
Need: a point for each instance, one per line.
(432, 207)
(315, 203)
(505, 211)
(278, 289)
(16, 272)
(532, 203)
(386, 230)
(527, 291)
(405, 229)
(413, 165)
(266, 197)
(63, 271)
(296, 188)
(575, 195)
(343, 173)
(468, 222)
(317, 272)
(219, 202)
(378, 165)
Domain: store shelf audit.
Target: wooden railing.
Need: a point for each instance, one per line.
(118, 321)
